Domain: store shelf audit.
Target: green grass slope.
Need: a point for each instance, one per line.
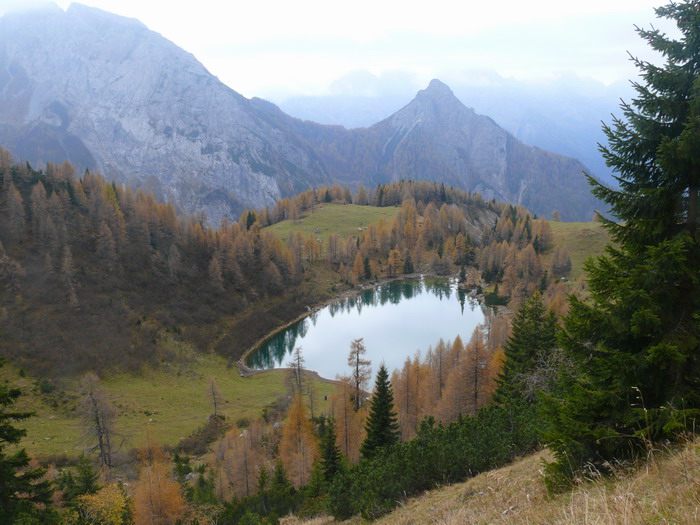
(170, 400)
(346, 220)
(581, 239)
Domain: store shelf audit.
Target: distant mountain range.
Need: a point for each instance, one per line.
(110, 95)
(562, 115)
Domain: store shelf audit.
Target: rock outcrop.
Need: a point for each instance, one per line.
(107, 93)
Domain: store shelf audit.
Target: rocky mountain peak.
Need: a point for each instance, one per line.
(440, 95)
(437, 88)
(433, 109)
(436, 102)
(108, 94)
(97, 16)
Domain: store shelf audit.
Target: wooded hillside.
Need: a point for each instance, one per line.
(95, 274)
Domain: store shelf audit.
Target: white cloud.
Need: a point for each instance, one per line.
(304, 46)
(10, 6)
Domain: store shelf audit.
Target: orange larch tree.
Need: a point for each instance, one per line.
(157, 496)
(298, 448)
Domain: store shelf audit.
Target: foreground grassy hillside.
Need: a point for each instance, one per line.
(171, 400)
(581, 239)
(346, 220)
(664, 490)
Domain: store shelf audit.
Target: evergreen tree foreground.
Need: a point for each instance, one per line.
(532, 338)
(23, 492)
(382, 423)
(331, 457)
(636, 342)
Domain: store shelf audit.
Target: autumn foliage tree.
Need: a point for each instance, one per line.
(452, 379)
(107, 506)
(350, 422)
(96, 246)
(157, 496)
(298, 448)
(469, 382)
(238, 458)
(359, 370)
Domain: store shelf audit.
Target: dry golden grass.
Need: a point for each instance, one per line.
(293, 520)
(666, 489)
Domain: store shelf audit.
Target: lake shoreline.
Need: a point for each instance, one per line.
(246, 371)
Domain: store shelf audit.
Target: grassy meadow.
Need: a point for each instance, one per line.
(346, 220)
(171, 401)
(581, 239)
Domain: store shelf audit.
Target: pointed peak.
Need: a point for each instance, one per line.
(437, 87)
(437, 92)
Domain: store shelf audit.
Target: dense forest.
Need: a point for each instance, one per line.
(99, 272)
(105, 274)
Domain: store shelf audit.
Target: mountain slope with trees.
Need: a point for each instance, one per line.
(104, 274)
(619, 381)
(109, 275)
(140, 110)
(436, 138)
(610, 386)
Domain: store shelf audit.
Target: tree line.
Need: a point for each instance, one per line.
(71, 246)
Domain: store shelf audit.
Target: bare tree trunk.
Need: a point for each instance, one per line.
(98, 420)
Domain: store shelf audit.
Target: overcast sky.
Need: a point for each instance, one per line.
(277, 48)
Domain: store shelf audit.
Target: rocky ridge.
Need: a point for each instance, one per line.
(108, 94)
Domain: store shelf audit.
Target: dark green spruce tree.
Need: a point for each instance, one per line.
(533, 336)
(637, 340)
(85, 481)
(21, 489)
(382, 422)
(331, 458)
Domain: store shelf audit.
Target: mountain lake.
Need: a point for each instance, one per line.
(395, 320)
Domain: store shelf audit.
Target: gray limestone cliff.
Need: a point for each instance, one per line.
(110, 95)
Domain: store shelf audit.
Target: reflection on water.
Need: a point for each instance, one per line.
(395, 319)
